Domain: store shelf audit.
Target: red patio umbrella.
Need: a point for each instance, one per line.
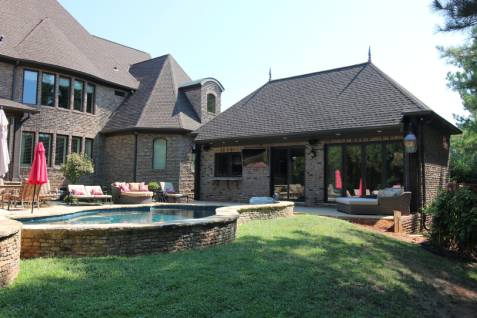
(360, 187)
(338, 181)
(38, 173)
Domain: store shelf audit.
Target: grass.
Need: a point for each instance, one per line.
(304, 266)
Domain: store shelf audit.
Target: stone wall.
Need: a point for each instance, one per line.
(265, 211)
(10, 233)
(436, 162)
(254, 181)
(127, 239)
(119, 160)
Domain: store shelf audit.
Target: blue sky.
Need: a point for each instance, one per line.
(237, 41)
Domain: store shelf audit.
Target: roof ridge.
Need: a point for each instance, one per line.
(117, 43)
(31, 31)
(169, 59)
(248, 97)
(152, 59)
(319, 72)
(400, 88)
(159, 74)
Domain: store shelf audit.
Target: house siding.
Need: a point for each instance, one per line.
(59, 121)
(198, 98)
(6, 79)
(119, 160)
(436, 162)
(257, 181)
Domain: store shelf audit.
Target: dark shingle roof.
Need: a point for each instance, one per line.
(354, 97)
(11, 105)
(43, 31)
(158, 103)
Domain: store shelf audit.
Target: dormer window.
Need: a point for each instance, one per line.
(211, 103)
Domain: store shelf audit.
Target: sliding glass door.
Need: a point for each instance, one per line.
(360, 170)
(288, 173)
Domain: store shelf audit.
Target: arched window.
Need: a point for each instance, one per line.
(211, 103)
(159, 155)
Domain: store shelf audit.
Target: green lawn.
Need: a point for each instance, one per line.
(304, 266)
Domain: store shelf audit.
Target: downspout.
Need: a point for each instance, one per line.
(135, 157)
(423, 165)
(197, 172)
(14, 79)
(423, 174)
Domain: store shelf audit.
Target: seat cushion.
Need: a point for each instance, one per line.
(357, 201)
(137, 194)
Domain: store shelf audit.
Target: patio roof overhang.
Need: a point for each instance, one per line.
(362, 132)
(433, 119)
(16, 107)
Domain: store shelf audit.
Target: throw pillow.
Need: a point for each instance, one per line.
(143, 187)
(134, 186)
(124, 188)
(96, 192)
(77, 192)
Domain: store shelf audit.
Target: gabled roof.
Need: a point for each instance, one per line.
(158, 103)
(42, 31)
(349, 98)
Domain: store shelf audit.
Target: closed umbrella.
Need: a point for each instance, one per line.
(38, 173)
(4, 156)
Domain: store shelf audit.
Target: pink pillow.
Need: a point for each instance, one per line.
(124, 187)
(96, 192)
(77, 192)
(143, 187)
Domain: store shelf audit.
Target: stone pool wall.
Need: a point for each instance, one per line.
(10, 232)
(99, 240)
(264, 211)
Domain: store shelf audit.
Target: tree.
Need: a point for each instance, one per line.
(464, 81)
(459, 14)
(77, 166)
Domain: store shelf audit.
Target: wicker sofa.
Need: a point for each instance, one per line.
(133, 195)
(386, 203)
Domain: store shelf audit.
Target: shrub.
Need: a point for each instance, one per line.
(454, 220)
(77, 166)
(153, 186)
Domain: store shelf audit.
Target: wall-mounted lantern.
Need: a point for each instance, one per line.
(410, 143)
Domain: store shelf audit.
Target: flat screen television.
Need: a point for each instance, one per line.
(255, 158)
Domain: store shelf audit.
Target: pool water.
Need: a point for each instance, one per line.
(141, 215)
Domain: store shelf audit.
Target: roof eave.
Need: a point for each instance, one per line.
(452, 129)
(323, 134)
(166, 130)
(66, 70)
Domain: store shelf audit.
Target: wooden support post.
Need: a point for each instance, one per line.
(397, 222)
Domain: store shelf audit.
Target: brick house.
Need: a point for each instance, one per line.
(309, 138)
(314, 137)
(76, 92)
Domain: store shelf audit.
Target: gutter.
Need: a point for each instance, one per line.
(327, 134)
(135, 157)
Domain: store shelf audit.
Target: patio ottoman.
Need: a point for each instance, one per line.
(357, 205)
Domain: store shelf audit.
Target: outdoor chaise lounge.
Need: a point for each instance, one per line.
(88, 193)
(131, 193)
(387, 201)
(169, 193)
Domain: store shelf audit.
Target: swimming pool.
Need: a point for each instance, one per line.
(136, 215)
